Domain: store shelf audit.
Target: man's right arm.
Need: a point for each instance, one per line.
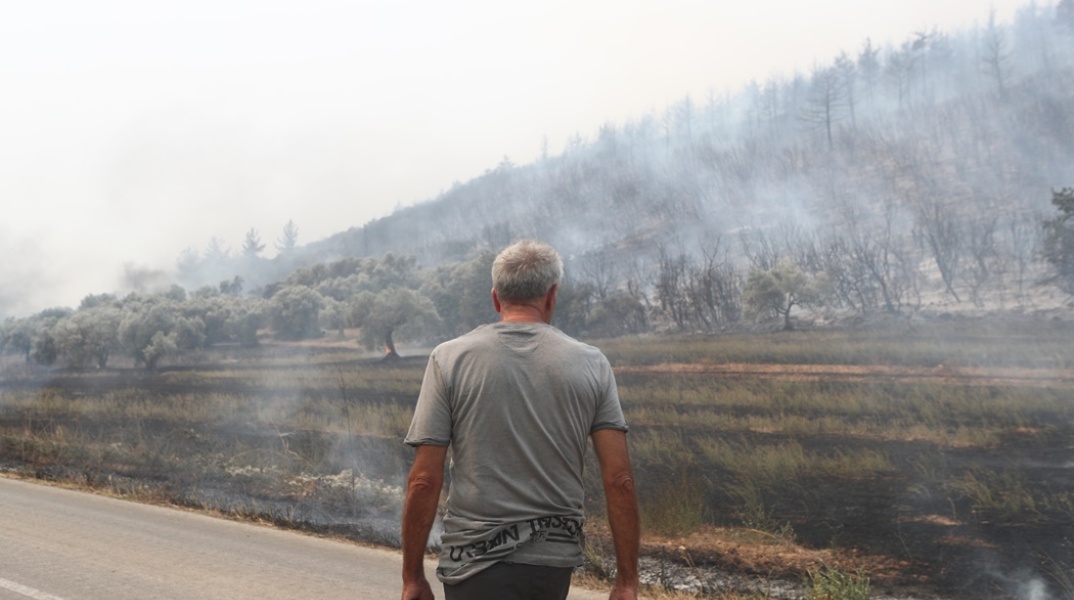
(618, 479)
(419, 511)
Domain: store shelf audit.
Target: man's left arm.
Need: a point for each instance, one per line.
(618, 479)
(419, 511)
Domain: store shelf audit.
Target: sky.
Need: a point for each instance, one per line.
(132, 130)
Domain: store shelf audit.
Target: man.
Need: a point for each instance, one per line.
(516, 401)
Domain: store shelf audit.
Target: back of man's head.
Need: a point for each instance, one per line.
(525, 271)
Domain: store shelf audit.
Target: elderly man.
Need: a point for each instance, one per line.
(516, 401)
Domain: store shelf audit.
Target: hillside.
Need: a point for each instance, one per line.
(944, 148)
(905, 180)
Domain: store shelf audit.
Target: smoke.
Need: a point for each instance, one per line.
(27, 282)
(144, 279)
(1034, 589)
(1026, 586)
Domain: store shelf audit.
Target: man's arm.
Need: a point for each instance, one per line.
(618, 479)
(419, 511)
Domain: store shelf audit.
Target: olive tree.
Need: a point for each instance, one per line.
(142, 319)
(460, 293)
(293, 312)
(395, 311)
(89, 336)
(776, 291)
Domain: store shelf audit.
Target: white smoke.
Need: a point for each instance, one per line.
(1034, 589)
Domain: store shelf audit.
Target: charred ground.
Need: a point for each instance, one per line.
(948, 468)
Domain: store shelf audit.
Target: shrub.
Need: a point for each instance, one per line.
(833, 584)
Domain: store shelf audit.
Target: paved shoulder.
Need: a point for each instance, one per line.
(58, 544)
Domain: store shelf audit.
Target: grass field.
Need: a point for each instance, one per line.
(937, 454)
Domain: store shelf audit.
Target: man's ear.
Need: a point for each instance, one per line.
(550, 298)
(496, 301)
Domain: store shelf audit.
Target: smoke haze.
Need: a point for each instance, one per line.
(133, 131)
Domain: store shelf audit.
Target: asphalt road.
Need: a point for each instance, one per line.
(58, 544)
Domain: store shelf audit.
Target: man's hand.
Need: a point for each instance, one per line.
(618, 478)
(418, 590)
(419, 510)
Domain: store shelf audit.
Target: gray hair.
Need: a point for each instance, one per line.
(525, 271)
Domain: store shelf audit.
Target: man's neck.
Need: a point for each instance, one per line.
(521, 313)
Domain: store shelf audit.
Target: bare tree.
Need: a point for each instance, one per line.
(670, 287)
(869, 69)
(600, 271)
(759, 250)
(714, 288)
(847, 71)
(994, 53)
(1023, 246)
(938, 227)
(985, 266)
(827, 102)
(899, 70)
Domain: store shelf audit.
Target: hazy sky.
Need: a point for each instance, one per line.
(130, 130)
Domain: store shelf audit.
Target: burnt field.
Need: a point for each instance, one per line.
(937, 456)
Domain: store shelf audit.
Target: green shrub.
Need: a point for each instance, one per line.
(833, 584)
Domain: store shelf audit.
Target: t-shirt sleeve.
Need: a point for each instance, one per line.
(609, 411)
(431, 424)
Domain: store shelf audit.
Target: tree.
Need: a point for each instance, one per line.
(619, 313)
(847, 70)
(980, 235)
(900, 68)
(246, 320)
(216, 253)
(938, 225)
(289, 239)
(252, 246)
(45, 349)
(231, 288)
(188, 263)
(460, 293)
(827, 102)
(334, 315)
(17, 335)
(34, 337)
(160, 346)
(870, 266)
(671, 287)
(89, 335)
(393, 311)
(142, 318)
(777, 291)
(1059, 240)
(293, 312)
(869, 68)
(995, 54)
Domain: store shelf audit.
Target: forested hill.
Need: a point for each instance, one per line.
(965, 132)
(934, 175)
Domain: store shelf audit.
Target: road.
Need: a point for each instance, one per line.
(59, 544)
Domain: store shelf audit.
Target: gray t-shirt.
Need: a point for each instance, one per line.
(517, 403)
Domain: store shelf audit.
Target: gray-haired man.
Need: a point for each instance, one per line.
(517, 402)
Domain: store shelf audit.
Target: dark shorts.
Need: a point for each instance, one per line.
(513, 581)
